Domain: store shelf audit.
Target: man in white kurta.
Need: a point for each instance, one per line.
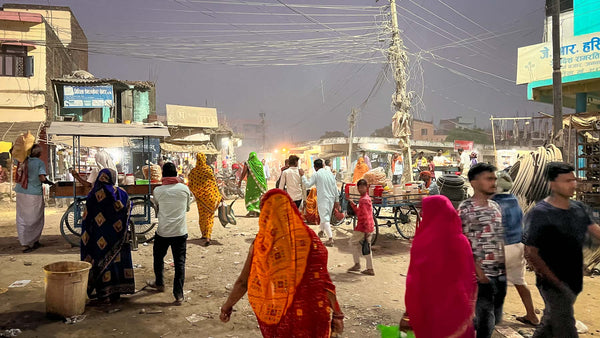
(327, 195)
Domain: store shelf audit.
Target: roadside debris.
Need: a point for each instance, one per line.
(20, 283)
(74, 319)
(10, 333)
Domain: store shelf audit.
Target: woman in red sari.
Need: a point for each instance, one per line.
(286, 276)
(441, 288)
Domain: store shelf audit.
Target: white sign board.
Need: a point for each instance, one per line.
(578, 55)
(185, 116)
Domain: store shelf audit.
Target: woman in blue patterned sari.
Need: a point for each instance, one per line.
(105, 240)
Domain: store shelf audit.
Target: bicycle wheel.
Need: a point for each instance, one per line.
(70, 225)
(407, 222)
(144, 215)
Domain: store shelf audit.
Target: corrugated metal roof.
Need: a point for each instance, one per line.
(106, 129)
(137, 84)
(9, 131)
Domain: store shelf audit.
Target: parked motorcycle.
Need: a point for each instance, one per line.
(228, 187)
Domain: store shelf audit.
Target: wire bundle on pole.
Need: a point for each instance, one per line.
(529, 175)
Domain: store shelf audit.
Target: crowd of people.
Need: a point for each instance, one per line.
(461, 259)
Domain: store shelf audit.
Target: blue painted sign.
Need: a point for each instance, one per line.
(88, 96)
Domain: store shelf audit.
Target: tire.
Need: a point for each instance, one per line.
(407, 230)
(71, 231)
(139, 216)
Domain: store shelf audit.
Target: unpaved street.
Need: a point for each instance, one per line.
(366, 301)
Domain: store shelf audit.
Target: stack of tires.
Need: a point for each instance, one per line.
(453, 187)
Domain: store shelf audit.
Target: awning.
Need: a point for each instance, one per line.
(16, 43)
(9, 131)
(207, 148)
(106, 130)
(329, 155)
(93, 142)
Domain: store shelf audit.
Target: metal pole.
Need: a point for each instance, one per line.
(556, 74)
(494, 139)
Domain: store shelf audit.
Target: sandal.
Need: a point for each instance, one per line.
(152, 284)
(368, 272)
(355, 268)
(526, 321)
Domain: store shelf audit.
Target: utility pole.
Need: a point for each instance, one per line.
(352, 121)
(264, 131)
(556, 74)
(402, 120)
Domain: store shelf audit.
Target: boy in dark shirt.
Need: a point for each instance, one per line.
(554, 232)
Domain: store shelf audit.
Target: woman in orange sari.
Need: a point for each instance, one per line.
(360, 170)
(286, 276)
(203, 185)
(311, 211)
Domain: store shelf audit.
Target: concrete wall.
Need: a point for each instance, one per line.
(32, 99)
(65, 27)
(23, 98)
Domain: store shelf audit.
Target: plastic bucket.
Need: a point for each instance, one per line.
(65, 286)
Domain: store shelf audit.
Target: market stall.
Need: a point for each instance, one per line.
(143, 213)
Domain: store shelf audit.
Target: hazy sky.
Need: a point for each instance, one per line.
(308, 63)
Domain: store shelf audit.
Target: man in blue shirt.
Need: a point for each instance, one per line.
(30, 200)
(514, 250)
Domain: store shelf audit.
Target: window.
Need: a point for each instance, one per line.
(423, 131)
(12, 60)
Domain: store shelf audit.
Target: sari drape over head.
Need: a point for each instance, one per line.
(256, 185)
(203, 185)
(311, 210)
(441, 288)
(105, 240)
(360, 170)
(289, 284)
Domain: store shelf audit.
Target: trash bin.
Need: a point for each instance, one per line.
(65, 285)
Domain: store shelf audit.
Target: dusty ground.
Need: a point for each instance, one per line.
(366, 301)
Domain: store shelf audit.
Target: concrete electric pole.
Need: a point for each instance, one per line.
(402, 120)
(352, 121)
(264, 131)
(556, 74)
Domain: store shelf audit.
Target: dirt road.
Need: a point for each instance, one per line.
(366, 301)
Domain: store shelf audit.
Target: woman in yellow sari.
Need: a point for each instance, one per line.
(203, 185)
(360, 170)
(286, 276)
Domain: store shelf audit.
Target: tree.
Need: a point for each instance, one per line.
(332, 134)
(478, 136)
(383, 132)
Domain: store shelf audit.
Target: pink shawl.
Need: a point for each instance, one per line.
(441, 288)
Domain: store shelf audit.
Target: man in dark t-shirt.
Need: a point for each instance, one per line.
(554, 233)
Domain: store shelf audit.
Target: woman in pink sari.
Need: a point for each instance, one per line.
(441, 288)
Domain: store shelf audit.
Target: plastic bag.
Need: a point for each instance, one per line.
(156, 172)
(394, 332)
(22, 146)
(376, 176)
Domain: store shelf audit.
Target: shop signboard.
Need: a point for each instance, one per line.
(464, 145)
(185, 116)
(578, 55)
(88, 96)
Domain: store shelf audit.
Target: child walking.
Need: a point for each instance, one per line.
(364, 228)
